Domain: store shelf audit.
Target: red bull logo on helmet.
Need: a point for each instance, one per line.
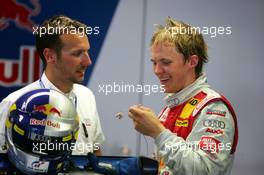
(44, 122)
(47, 109)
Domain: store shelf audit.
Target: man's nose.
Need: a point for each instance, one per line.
(158, 69)
(86, 60)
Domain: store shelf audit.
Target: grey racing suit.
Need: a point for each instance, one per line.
(202, 143)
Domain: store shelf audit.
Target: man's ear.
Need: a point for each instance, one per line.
(50, 55)
(193, 61)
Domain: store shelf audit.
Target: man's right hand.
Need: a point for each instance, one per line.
(145, 121)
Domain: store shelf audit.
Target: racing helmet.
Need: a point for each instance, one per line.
(41, 130)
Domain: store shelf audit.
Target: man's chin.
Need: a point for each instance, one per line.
(167, 90)
(79, 80)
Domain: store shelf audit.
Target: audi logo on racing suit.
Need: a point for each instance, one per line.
(212, 123)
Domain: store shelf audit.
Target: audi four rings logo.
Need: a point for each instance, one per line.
(214, 123)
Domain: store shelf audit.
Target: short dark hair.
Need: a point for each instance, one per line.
(51, 39)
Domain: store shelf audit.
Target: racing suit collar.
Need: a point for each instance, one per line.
(174, 99)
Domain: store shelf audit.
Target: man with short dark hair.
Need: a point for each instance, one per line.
(63, 47)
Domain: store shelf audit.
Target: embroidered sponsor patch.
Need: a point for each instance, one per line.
(189, 107)
(214, 131)
(216, 124)
(209, 144)
(182, 123)
(216, 112)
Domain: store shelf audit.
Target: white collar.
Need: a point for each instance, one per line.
(46, 83)
(174, 99)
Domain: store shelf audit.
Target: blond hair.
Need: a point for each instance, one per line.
(186, 39)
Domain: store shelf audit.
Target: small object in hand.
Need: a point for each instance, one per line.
(119, 115)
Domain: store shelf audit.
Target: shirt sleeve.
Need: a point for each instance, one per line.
(98, 133)
(207, 148)
(4, 107)
(99, 136)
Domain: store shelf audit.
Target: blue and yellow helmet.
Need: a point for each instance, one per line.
(41, 130)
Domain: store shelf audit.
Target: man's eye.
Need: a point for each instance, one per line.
(76, 53)
(166, 62)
